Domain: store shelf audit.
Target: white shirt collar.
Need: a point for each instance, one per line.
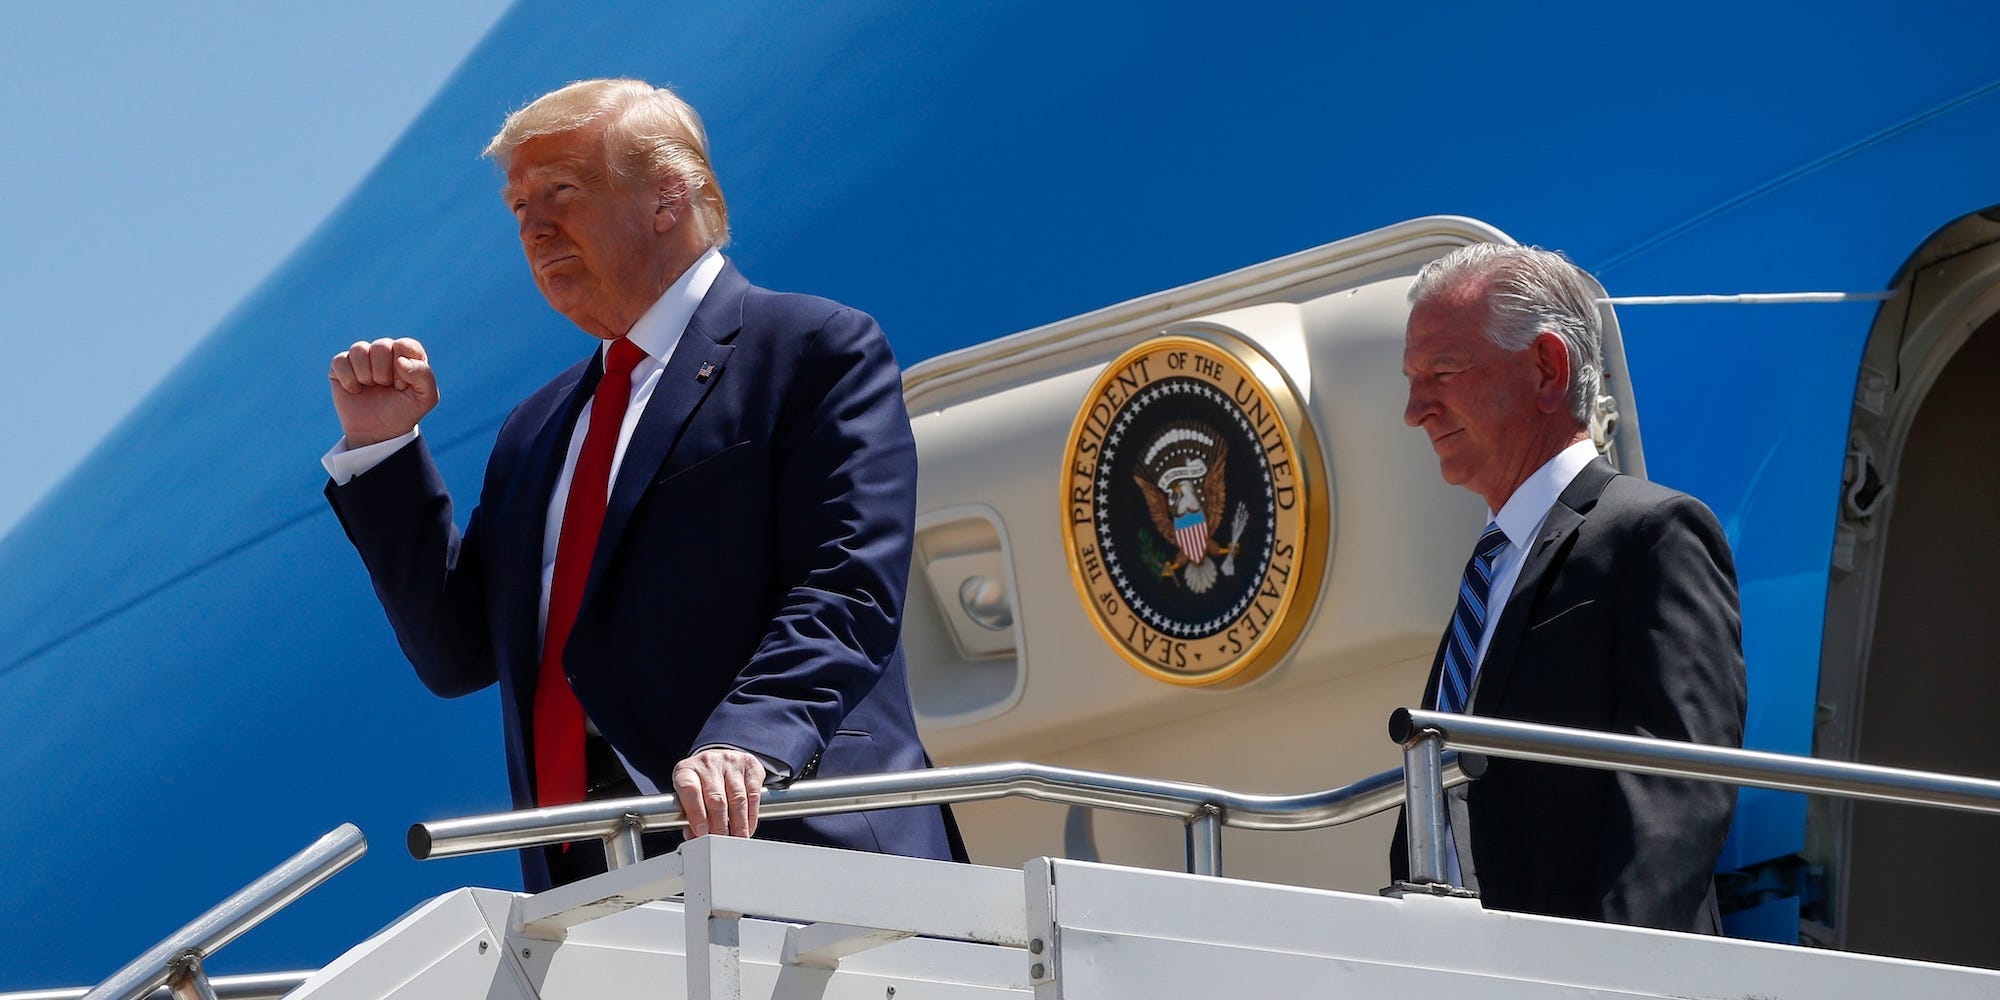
(1523, 513)
(659, 330)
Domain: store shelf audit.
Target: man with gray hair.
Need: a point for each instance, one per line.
(1593, 599)
(687, 566)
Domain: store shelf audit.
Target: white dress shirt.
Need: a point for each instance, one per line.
(1520, 519)
(657, 333)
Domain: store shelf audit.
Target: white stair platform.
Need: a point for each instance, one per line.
(782, 921)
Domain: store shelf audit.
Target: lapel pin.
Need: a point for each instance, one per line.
(707, 369)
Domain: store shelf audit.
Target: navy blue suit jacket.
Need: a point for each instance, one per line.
(748, 583)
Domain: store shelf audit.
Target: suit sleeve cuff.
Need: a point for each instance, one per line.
(344, 463)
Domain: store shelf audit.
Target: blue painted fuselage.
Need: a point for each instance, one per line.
(195, 679)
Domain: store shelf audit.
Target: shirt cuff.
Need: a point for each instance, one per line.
(344, 463)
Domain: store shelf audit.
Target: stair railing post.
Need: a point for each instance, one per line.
(187, 981)
(626, 846)
(1424, 809)
(1204, 841)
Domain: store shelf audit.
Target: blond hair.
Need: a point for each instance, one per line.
(650, 135)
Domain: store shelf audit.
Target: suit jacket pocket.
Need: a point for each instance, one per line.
(728, 458)
(851, 751)
(1570, 613)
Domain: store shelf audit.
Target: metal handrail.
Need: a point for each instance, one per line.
(1724, 765)
(1423, 732)
(253, 986)
(618, 822)
(176, 961)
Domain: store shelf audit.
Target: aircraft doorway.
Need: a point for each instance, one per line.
(1913, 636)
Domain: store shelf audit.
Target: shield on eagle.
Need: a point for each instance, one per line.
(1191, 531)
(1181, 476)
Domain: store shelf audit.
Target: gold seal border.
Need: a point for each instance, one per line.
(1314, 541)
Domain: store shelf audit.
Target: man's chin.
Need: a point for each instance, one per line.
(1453, 473)
(567, 305)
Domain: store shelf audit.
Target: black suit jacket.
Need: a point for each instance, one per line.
(748, 583)
(1624, 619)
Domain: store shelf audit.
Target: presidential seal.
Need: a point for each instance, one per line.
(1193, 509)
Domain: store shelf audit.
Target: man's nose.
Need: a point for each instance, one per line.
(535, 224)
(1418, 406)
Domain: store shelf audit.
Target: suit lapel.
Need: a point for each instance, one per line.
(522, 539)
(550, 447)
(682, 386)
(1543, 561)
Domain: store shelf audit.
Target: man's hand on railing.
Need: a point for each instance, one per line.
(719, 789)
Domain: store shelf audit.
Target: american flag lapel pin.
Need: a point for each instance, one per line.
(707, 369)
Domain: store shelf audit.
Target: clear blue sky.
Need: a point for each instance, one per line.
(160, 159)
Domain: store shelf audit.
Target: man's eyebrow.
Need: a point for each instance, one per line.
(1432, 362)
(568, 168)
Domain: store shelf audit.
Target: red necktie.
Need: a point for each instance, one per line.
(559, 768)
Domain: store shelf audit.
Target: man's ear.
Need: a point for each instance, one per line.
(1551, 373)
(671, 206)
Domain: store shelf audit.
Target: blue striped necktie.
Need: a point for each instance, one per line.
(1468, 622)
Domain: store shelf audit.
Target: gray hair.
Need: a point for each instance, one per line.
(650, 135)
(1529, 291)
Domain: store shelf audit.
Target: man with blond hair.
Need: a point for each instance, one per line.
(687, 566)
(1593, 599)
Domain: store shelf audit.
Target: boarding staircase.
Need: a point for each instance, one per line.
(728, 918)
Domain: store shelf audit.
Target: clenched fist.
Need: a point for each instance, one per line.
(381, 389)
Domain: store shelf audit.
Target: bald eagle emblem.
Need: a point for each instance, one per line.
(1181, 475)
(1215, 581)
